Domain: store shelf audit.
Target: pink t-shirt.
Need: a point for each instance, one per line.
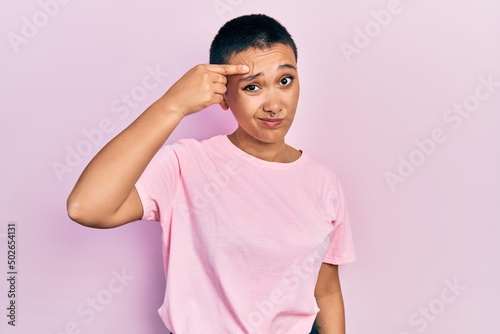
(243, 238)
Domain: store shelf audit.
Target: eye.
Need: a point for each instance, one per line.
(251, 88)
(286, 80)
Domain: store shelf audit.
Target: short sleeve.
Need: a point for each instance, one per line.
(341, 249)
(158, 183)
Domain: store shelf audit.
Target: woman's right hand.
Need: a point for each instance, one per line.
(200, 87)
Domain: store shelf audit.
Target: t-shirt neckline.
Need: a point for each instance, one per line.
(236, 151)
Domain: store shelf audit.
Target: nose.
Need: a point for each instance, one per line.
(272, 103)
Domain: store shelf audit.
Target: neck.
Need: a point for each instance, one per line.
(272, 152)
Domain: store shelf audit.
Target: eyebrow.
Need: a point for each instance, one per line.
(256, 75)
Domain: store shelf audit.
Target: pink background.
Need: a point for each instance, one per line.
(361, 113)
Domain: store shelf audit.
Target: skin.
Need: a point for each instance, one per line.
(255, 83)
(105, 196)
(272, 85)
(328, 293)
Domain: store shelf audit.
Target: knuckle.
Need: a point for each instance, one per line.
(217, 99)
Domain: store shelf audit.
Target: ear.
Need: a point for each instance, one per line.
(224, 104)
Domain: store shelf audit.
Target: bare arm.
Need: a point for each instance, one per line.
(105, 195)
(330, 319)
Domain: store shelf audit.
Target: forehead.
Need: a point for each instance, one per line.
(277, 54)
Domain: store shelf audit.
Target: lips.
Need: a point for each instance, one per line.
(271, 122)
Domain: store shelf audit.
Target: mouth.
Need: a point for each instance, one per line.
(271, 122)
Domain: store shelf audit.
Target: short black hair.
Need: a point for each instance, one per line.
(248, 31)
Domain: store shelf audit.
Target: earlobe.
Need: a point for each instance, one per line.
(224, 104)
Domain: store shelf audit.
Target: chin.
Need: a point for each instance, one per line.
(271, 138)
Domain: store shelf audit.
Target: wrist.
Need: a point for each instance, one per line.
(168, 109)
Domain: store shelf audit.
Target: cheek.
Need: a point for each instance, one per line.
(244, 103)
(293, 97)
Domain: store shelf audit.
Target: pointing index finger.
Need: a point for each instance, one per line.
(226, 69)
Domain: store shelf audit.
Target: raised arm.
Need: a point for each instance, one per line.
(105, 195)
